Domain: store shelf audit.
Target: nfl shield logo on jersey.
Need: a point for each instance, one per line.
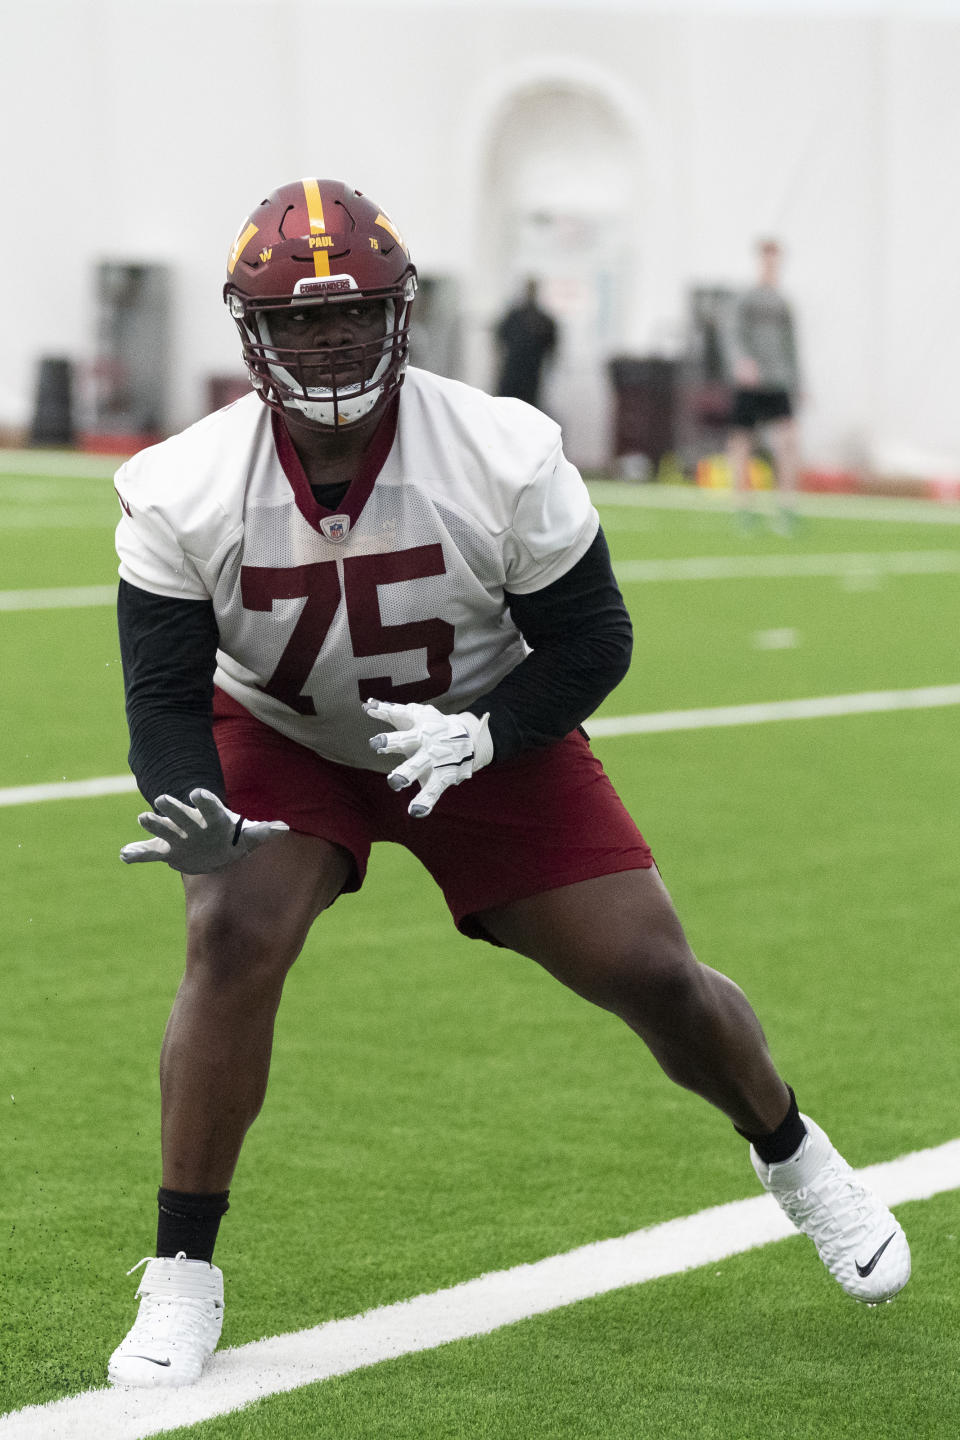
(335, 527)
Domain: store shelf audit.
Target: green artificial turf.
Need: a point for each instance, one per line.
(439, 1108)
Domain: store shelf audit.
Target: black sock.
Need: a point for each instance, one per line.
(189, 1222)
(780, 1144)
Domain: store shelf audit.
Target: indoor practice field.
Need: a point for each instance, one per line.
(439, 1109)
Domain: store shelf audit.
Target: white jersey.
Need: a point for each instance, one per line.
(400, 595)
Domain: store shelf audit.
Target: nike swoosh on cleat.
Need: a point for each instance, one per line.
(865, 1270)
(166, 1363)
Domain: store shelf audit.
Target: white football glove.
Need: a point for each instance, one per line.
(198, 838)
(441, 750)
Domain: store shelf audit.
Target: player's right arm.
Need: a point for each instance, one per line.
(168, 645)
(166, 621)
(168, 648)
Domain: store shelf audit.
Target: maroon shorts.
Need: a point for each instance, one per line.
(545, 819)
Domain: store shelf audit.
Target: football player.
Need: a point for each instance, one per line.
(367, 603)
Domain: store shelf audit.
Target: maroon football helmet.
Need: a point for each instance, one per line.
(319, 242)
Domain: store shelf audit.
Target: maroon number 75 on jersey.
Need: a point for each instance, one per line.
(319, 586)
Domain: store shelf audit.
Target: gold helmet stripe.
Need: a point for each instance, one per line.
(239, 245)
(321, 262)
(311, 191)
(390, 229)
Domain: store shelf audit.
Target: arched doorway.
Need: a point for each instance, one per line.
(559, 199)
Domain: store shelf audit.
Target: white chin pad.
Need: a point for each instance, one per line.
(323, 411)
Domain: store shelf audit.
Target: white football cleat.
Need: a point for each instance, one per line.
(857, 1238)
(177, 1327)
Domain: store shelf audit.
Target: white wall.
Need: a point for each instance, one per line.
(147, 130)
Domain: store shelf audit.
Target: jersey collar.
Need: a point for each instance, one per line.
(371, 463)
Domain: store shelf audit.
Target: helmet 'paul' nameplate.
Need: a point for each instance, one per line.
(335, 527)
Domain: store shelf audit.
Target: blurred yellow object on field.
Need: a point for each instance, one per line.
(713, 473)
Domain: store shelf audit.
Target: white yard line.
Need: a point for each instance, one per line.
(58, 464)
(83, 465)
(63, 597)
(281, 1363)
(68, 790)
(62, 517)
(867, 702)
(797, 566)
(658, 722)
(854, 564)
(63, 465)
(827, 507)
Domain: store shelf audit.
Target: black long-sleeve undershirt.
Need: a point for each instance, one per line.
(169, 653)
(581, 641)
(578, 630)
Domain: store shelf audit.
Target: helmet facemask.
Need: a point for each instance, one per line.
(329, 386)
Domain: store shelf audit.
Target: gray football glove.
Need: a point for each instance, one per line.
(200, 837)
(441, 750)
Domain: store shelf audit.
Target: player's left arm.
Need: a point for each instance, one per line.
(581, 640)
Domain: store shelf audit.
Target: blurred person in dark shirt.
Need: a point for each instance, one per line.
(527, 337)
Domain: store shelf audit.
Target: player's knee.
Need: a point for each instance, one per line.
(654, 978)
(229, 945)
(667, 973)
